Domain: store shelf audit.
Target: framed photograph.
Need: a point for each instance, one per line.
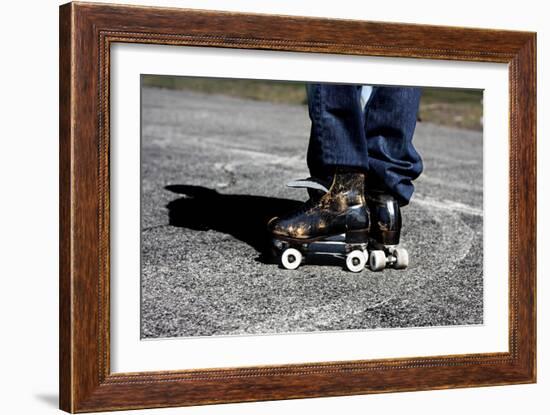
(259, 207)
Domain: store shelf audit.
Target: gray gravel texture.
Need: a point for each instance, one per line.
(214, 169)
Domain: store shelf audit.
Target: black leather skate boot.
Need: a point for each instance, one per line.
(385, 216)
(342, 210)
(340, 215)
(385, 232)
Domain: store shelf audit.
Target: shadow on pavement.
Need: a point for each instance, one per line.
(243, 216)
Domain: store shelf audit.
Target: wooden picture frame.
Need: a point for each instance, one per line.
(86, 33)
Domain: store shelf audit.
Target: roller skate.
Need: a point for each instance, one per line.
(385, 232)
(334, 221)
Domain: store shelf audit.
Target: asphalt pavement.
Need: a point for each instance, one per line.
(214, 170)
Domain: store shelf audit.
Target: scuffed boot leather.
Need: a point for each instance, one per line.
(342, 210)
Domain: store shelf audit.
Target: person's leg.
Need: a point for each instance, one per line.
(337, 129)
(374, 136)
(390, 120)
(344, 131)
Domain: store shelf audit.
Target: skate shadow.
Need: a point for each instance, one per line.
(243, 216)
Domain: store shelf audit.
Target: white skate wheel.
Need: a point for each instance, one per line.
(291, 258)
(401, 258)
(377, 260)
(356, 261)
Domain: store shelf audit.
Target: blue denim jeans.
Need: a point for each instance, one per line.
(375, 138)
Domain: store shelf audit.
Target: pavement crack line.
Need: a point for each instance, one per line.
(449, 205)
